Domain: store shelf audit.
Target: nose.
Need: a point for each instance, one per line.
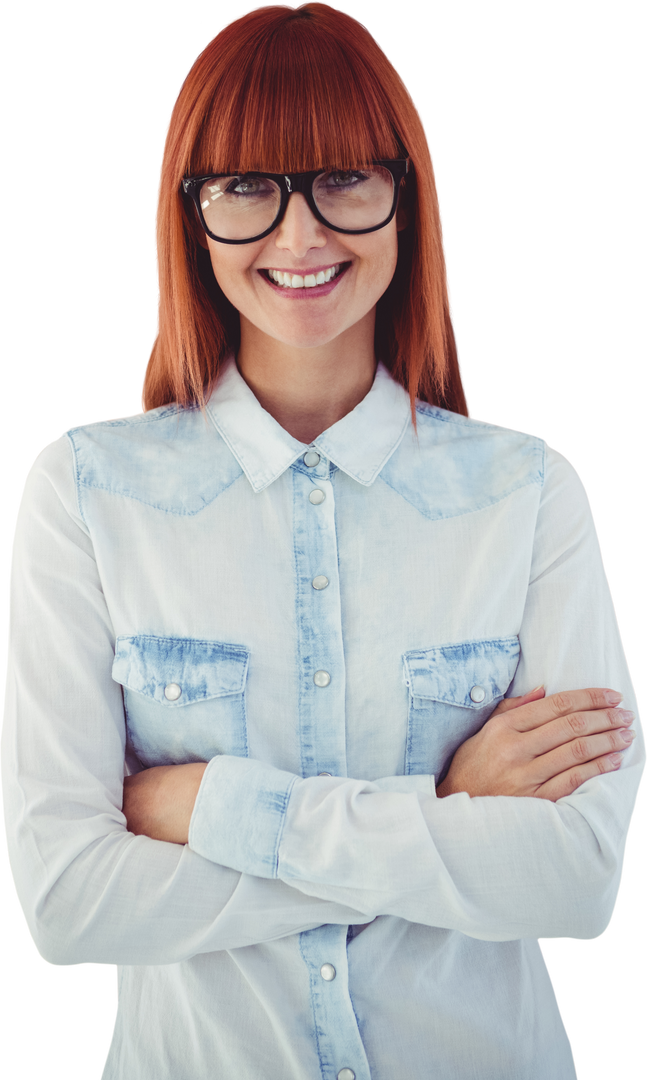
(298, 204)
(299, 231)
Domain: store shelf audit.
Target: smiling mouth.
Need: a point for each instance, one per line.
(286, 280)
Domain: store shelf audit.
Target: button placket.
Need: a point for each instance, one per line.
(323, 745)
(317, 496)
(341, 1051)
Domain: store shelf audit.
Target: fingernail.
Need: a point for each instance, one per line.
(615, 759)
(613, 697)
(628, 736)
(540, 687)
(626, 714)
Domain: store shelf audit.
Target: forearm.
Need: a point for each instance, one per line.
(132, 900)
(494, 868)
(158, 802)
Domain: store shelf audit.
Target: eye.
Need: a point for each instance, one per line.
(248, 185)
(344, 178)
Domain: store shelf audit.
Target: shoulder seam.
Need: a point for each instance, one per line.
(77, 477)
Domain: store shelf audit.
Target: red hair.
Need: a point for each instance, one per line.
(291, 90)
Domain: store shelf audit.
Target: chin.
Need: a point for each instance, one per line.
(310, 342)
(306, 337)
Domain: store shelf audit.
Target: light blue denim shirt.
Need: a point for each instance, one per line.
(325, 625)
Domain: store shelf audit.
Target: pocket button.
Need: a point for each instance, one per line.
(172, 692)
(477, 693)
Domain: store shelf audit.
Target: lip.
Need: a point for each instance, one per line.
(303, 270)
(303, 293)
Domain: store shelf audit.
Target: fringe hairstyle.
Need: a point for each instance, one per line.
(285, 89)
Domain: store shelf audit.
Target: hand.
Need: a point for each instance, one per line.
(543, 747)
(158, 802)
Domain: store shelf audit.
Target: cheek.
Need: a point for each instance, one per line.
(380, 262)
(229, 277)
(382, 247)
(231, 265)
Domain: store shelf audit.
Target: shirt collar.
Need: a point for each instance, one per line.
(360, 443)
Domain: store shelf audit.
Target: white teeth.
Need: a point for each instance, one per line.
(307, 281)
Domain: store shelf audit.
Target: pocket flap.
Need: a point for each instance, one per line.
(471, 673)
(179, 671)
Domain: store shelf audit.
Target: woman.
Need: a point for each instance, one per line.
(305, 599)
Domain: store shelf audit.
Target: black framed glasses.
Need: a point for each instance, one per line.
(238, 208)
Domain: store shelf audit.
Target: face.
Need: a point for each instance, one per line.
(351, 273)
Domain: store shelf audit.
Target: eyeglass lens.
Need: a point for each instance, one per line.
(240, 207)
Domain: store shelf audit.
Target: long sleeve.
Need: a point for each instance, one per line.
(494, 868)
(198, 586)
(92, 891)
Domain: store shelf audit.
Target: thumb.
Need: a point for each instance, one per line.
(514, 702)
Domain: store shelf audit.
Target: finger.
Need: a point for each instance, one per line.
(568, 782)
(579, 752)
(535, 714)
(576, 725)
(514, 702)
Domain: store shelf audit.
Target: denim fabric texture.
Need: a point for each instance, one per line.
(324, 626)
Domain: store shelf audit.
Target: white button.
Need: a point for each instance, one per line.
(327, 972)
(311, 458)
(322, 678)
(324, 774)
(317, 496)
(320, 582)
(477, 693)
(345, 1074)
(172, 691)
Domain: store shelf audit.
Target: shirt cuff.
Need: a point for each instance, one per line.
(239, 814)
(240, 811)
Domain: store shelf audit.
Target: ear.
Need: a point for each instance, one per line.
(401, 218)
(193, 221)
(402, 213)
(200, 235)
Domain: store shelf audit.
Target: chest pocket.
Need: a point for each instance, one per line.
(184, 698)
(453, 689)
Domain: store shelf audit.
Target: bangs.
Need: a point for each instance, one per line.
(284, 90)
(292, 100)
